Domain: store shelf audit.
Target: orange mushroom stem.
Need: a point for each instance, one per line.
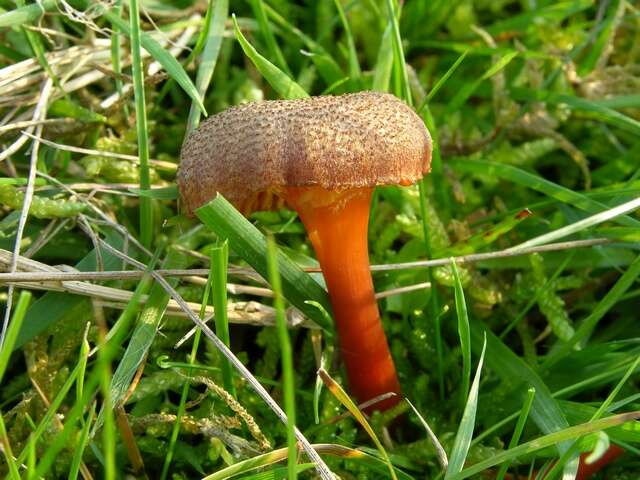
(337, 225)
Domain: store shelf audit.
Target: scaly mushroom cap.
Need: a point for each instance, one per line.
(253, 152)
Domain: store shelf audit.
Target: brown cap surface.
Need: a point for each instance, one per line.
(252, 152)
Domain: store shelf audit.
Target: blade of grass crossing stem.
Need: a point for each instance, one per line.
(15, 325)
(146, 211)
(465, 430)
(354, 66)
(164, 58)
(219, 262)
(344, 398)
(398, 55)
(517, 431)
(250, 244)
(264, 27)
(14, 473)
(281, 82)
(549, 440)
(83, 439)
(182, 406)
(286, 353)
(463, 331)
(468, 88)
(539, 184)
(209, 58)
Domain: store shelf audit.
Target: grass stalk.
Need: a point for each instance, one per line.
(219, 263)
(142, 129)
(286, 353)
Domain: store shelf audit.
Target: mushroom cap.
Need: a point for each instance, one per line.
(253, 152)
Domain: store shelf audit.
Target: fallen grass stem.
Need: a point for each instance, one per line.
(203, 272)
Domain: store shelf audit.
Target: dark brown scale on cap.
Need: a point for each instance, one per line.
(252, 152)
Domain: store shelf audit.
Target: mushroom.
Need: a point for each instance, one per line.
(323, 157)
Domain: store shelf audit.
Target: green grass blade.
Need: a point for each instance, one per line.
(14, 473)
(144, 334)
(465, 430)
(168, 62)
(264, 27)
(463, 332)
(116, 53)
(146, 206)
(209, 57)
(588, 325)
(440, 451)
(250, 244)
(553, 12)
(280, 81)
(567, 434)
(83, 440)
(442, 80)
(398, 55)
(182, 406)
(539, 184)
(600, 110)
(603, 39)
(354, 65)
(517, 431)
(545, 411)
(327, 67)
(275, 456)
(384, 62)
(219, 262)
(46, 460)
(604, 406)
(56, 402)
(469, 88)
(15, 326)
(19, 16)
(286, 353)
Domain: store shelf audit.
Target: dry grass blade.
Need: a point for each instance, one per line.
(245, 313)
(101, 153)
(40, 112)
(55, 275)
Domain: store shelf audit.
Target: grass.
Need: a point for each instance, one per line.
(533, 110)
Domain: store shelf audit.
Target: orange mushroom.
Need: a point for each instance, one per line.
(323, 157)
